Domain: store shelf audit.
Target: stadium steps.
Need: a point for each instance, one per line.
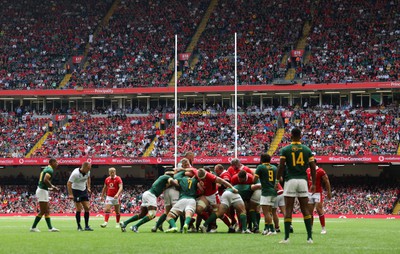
(276, 141)
(38, 144)
(65, 80)
(151, 146)
(290, 74)
(200, 29)
(396, 209)
(301, 45)
(103, 23)
(398, 149)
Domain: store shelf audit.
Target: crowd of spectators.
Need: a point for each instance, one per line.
(135, 49)
(39, 38)
(264, 35)
(349, 41)
(213, 135)
(19, 133)
(353, 40)
(347, 132)
(99, 136)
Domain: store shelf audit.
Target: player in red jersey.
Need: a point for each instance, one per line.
(236, 166)
(210, 197)
(223, 174)
(315, 200)
(112, 187)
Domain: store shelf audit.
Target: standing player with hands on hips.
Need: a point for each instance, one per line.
(112, 187)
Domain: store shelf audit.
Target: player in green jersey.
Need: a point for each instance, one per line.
(187, 181)
(42, 193)
(149, 203)
(266, 173)
(297, 158)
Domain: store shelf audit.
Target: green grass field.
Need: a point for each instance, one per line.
(344, 236)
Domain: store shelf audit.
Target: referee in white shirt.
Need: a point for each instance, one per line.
(78, 186)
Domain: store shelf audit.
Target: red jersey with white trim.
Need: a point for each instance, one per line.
(210, 187)
(318, 179)
(249, 180)
(112, 185)
(227, 177)
(232, 171)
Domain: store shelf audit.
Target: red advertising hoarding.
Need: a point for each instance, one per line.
(345, 159)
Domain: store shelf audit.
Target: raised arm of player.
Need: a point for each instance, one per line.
(226, 184)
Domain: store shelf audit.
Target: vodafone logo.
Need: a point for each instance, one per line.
(21, 161)
(381, 158)
(89, 160)
(230, 159)
(159, 160)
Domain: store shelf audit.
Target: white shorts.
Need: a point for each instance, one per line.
(184, 205)
(229, 198)
(267, 200)
(296, 188)
(171, 196)
(149, 199)
(112, 201)
(314, 198)
(256, 197)
(212, 199)
(42, 195)
(279, 201)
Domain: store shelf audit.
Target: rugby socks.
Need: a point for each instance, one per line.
(253, 218)
(210, 219)
(271, 227)
(182, 220)
(187, 220)
(226, 220)
(287, 222)
(86, 216)
(143, 221)
(78, 218)
(322, 220)
(48, 221)
(107, 216)
(118, 217)
(307, 222)
(243, 221)
(161, 220)
(36, 221)
(131, 219)
(172, 223)
(258, 217)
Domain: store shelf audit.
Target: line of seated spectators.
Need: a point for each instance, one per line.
(38, 38)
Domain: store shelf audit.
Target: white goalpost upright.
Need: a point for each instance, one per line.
(236, 118)
(176, 103)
